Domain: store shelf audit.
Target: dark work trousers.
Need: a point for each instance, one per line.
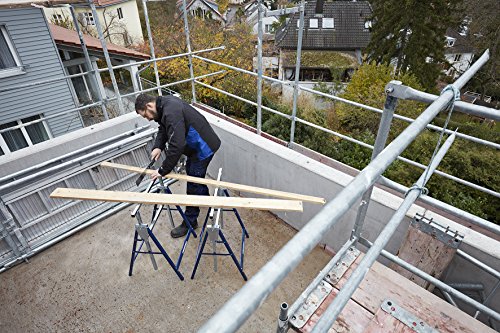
(196, 169)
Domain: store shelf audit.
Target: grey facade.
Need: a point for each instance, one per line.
(30, 37)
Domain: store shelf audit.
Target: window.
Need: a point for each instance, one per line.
(22, 137)
(8, 56)
(457, 57)
(313, 23)
(450, 41)
(120, 13)
(328, 23)
(57, 18)
(368, 24)
(268, 28)
(88, 19)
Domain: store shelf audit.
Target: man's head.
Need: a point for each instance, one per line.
(145, 106)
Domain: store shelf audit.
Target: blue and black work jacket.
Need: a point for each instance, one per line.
(185, 131)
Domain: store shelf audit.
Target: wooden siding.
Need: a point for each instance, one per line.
(31, 38)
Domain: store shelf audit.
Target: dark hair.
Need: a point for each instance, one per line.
(142, 100)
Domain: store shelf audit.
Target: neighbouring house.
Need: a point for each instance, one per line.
(83, 88)
(335, 34)
(204, 9)
(458, 52)
(119, 20)
(32, 50)
(252, 18)
(333, 26)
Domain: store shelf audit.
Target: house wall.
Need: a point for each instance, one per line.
(109, 16)
(31, 38)
(459, 66)
(199, 4)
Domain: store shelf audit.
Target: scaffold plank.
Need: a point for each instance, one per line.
(178, 199)
(221, 184)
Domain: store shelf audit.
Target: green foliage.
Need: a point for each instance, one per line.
(412, 32)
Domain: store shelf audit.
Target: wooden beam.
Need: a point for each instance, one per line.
(231, 186)
(177, 199)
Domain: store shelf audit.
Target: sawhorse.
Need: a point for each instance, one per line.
(215, 233)
(143, 232)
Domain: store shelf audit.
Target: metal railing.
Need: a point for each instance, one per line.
(235, 312)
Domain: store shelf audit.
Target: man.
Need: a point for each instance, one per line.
(185, 131)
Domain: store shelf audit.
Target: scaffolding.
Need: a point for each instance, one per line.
(238, 309)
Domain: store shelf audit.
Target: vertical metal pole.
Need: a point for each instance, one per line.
(106, 56)
(151, 47)
(283, 319)
(88, 63)
(259, 67)
(297, 70)
(188, 43)
(380, 141)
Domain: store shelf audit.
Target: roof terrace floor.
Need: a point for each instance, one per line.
(82, 283)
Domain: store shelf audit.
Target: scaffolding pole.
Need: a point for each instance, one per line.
(259, 66)
(90, 68)
(380, 141)
(345, 293)
(151, 45)
(297, 70)
(465, 107)
(237, 310)
(188, 44)
(106, 56)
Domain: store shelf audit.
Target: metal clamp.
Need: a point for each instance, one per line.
(342, 266)
(447, 236)
(407, 318)
(311, 304)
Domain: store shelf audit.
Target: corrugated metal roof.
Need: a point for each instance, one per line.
(349, 31)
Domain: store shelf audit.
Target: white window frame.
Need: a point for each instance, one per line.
(450, 41)
(26, 136)
(313, 23)
(325, 23)
(88, 18)
(19, 69)
(457, 57)
(368, 24)
(119, 12)
(57, 18)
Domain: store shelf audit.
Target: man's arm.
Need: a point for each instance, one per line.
(176, 138)
(161, 138)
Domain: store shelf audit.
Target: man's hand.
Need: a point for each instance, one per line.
(155, 174)
(155, 154)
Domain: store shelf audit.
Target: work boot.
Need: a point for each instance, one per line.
(182, 230)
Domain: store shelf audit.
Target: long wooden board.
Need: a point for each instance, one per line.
(178, 199)
(231, 186)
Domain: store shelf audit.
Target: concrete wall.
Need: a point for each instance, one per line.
(247, 158)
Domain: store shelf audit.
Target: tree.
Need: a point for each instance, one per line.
(239, 51)
(482, 25)
(411, 35)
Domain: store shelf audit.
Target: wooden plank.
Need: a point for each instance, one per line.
(231, 186)
(426, 253)
(383, 322)
(413, 248)
(354, 318)
(382, 282)
(178, 199)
